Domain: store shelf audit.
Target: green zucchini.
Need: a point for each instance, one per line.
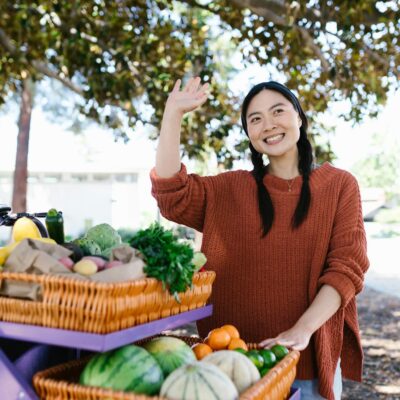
(55, 225)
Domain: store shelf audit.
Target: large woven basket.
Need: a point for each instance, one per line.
(100, 307)
(61, 382)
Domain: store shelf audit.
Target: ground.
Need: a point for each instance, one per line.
(379, 316)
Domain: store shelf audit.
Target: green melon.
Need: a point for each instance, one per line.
(171, 353)
(130, 368)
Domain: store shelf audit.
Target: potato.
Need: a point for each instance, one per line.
(67, 262)
(85, 267)
(100, 262)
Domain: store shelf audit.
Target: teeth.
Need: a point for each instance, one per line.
(274, 138)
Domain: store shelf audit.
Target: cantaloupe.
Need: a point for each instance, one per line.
(237, 366)
(198, 381)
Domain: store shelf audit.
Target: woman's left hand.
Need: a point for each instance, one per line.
(297, 338)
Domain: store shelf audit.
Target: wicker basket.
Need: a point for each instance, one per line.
(100, 307)
(60, 382)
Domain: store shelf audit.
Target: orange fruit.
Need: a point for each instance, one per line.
(237, 343)
(232, 330)
(218, 339)
(201, 350)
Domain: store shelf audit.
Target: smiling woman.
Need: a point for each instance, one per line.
(273, 121)
(286, 239)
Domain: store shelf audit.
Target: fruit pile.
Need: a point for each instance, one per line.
(167, 366)
(227, 337)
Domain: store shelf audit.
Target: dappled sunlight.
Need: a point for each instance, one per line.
(379, 326)
(388, 389)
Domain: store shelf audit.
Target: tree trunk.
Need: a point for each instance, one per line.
(21, 160)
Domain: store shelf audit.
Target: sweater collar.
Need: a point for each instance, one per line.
(292, 187)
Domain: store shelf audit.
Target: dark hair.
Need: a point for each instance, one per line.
(265, 205)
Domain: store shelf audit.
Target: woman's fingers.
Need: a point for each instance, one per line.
(267, 342)
(177, 86)
(193, 85)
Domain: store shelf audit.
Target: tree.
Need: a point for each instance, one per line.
(379, 168)
(122, 56)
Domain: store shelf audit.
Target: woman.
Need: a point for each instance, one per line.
(286, 240)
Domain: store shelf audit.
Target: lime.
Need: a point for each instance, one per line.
(264, 371)
(256, 358)
(269, 357)
(240, 350)
(279, 351)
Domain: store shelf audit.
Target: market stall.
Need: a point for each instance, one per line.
(65, 305)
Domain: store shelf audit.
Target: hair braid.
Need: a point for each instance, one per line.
(264, 200)
(305, 166)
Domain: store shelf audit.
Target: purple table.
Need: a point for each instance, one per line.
(15, 377)
(295, 394)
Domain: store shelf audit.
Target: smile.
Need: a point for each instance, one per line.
(274, 139)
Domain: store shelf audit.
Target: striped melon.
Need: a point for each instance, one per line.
(237, 366)
(198, 381)
(170, 353)
(130, 368)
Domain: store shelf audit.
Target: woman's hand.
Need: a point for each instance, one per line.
(296, 338)
(191, 97)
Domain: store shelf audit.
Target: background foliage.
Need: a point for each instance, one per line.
(121, 58)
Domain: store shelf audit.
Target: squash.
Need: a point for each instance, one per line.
(198, 381)
(237, 366)
(25, 228)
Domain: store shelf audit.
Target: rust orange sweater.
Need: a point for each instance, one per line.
(264, 285)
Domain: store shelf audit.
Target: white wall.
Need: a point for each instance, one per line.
(122, 200)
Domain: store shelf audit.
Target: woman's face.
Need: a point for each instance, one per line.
(273, 125)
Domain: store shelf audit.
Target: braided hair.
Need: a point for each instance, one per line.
(265, 205)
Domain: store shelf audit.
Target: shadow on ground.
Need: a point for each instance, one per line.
(379, 315)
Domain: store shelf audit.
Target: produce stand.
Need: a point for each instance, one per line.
(15, 378)
(46, 332)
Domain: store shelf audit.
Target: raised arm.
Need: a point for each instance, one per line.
(191, 97)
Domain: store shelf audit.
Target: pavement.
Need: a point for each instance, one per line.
(383, 252)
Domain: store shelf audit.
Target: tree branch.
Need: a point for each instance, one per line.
(40, 66)
(380, 60)
(260, 8)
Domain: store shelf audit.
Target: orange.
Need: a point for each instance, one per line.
(206, 341)
(232, 330)
(201, 350)
(218, 339)
(237, 343)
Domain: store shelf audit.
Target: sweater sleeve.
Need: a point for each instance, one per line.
(347, 259)
(181, 198)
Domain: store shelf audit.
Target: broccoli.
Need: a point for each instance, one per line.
(88, 246)
(105, 236)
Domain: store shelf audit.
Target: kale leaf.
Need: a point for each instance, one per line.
(166, 258)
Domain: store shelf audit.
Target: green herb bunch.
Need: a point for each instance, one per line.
(166, 258)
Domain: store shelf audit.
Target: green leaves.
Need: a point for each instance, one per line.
(166, 258)
(131, 52)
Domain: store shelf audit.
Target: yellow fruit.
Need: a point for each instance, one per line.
(6, 251)
(46, 240)
(3, 255)
(25, 228)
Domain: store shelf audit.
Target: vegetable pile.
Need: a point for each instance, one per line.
(166, 258)
(99, 240)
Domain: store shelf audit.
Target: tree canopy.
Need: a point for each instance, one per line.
(123, 56)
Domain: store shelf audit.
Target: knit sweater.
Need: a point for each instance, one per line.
(264, 285)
